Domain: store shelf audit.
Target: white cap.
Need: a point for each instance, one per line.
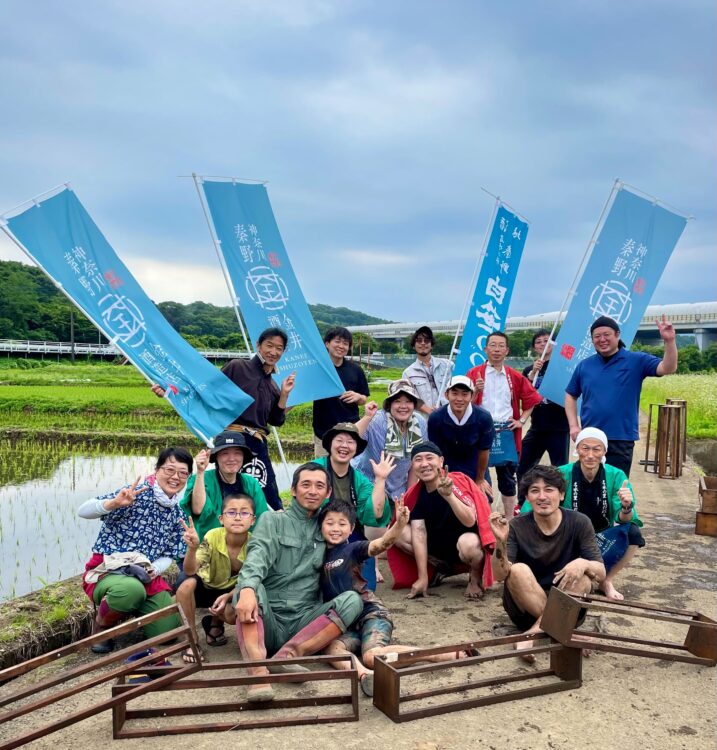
(463, 380)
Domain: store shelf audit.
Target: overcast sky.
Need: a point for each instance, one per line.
(376, 125)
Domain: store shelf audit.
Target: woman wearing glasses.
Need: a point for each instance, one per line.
(141, 535)
(211, 569)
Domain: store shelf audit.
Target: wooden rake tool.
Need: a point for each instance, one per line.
(564, 611)
(98, 671)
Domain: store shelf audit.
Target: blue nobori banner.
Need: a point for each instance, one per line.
(263, 279)
(628, 258)
(494, 287)
(61, 237)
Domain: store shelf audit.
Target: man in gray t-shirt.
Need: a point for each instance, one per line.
(550, 546)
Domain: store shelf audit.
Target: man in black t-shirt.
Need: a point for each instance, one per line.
(344, 408)
(550, 546)
(549, 429)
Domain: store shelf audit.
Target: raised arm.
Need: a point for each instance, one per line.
(669, 358)
(199, 492)
(377, 546)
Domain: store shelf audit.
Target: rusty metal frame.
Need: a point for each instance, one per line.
(388, 696)
(184, 640)
(121, 692)
(563, 611)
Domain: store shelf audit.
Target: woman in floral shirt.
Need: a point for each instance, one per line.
(144, 522)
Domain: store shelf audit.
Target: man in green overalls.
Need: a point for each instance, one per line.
(278, 600)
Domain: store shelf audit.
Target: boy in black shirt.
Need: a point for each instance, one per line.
(371, 633)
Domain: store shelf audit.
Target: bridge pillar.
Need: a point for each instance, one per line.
(704, 337)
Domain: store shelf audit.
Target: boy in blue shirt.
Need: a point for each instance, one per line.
(371, 633)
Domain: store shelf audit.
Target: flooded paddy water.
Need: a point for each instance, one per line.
(42, 540)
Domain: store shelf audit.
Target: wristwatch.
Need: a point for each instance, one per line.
(522, 420)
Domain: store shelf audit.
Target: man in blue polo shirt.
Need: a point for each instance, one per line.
(610, 383)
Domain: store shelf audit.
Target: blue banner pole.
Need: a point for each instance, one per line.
(583, 265)
(235, 299)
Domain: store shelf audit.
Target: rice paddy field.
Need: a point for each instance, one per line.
(68, 432)
(700, 392)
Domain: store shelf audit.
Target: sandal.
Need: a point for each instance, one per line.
(188, 656)
(207, 627)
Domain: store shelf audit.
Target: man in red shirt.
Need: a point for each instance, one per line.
(510, 398)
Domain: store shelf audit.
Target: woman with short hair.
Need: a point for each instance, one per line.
(140, 537)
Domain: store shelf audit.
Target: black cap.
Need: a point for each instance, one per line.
(230, 439)
(604, 322)
(426, 447)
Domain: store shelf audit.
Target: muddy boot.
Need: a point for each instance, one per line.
(250, 637)
(105, 618)
(315, 636)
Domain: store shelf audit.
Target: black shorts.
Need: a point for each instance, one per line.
(524, 620)
(203, 595)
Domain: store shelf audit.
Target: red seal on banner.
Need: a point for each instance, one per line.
(113, 280)
(173, 389)
(567, 351)
(273, 259)
(639, 286)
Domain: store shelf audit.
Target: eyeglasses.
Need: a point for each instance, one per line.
(170, 472)
(344, 441)
(243, 514)
(422, 340)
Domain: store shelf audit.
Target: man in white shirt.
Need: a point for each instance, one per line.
(510, 398)
(429, 375)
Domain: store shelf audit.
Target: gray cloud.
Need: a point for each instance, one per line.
(376, 125)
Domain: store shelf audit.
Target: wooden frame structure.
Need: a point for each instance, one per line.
(120, 670)
(388, 696)
(563, 611)
(122, 693)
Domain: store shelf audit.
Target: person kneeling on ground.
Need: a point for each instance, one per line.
(141, 535)
(212, 567)
(371, 634)
(549, 546)
(449, 529)
(277, 598)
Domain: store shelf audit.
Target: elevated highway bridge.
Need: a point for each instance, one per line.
(698, 318)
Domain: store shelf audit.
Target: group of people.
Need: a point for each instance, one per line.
(410, 479)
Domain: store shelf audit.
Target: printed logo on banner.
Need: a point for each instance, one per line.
(494, 287)
(259, 265)
(634, 246)
(60, 235)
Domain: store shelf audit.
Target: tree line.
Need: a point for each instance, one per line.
(32, 308)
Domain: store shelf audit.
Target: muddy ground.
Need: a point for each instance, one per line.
(624, 701)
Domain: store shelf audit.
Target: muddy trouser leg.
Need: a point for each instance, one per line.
(154, 603)
(321, 625)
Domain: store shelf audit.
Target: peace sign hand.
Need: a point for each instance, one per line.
(666, 329)
(190, 536)
(125, 497)
(403, 515)
(445, 483)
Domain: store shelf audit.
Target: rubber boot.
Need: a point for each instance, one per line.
(250, 637)
(317, 634)
(105, 618)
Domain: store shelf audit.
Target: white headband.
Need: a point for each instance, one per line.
(595, 434)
